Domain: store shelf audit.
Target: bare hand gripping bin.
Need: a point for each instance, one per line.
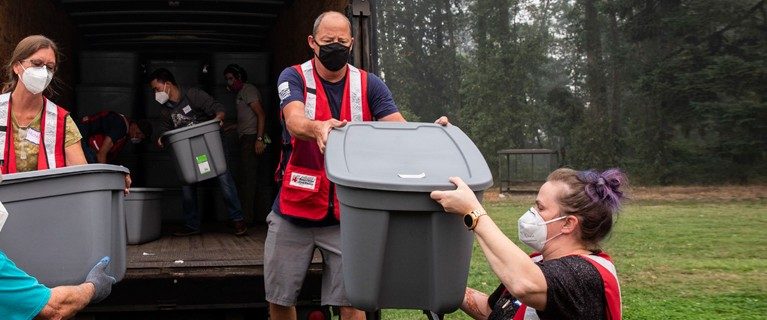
(400, 250)
(61, 222)
(198, 151)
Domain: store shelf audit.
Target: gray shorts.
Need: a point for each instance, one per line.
(288, 251)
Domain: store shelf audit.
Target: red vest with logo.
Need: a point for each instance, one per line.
(52, 134)
(96, 140)
(306, 190)
(604, 265)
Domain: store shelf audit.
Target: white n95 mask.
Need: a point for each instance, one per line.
(36, 79)
(532, 229)
(162, 97)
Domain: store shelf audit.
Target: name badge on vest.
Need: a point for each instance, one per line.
(33, 136)
(187, 109)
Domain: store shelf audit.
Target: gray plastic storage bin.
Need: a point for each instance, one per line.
(62, 221)
(400, 250)
(109, 68)
(95, 98)
(198, 151)
(143, 214)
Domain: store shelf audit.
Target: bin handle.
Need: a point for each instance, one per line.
(412, 176)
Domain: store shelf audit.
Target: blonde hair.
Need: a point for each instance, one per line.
(26, 48)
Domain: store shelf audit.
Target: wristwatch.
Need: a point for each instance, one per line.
(471, 218)
(260, 138)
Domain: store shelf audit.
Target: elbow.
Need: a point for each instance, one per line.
(522, 289)
(292, 126)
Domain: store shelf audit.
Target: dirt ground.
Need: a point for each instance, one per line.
(673, 193)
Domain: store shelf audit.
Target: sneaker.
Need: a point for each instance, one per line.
(240, 228)
(186, 231)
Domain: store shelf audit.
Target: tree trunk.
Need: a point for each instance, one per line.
(595, 79)
(599, 148)
(615, 72)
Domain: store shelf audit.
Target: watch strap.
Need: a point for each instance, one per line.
(474, 215)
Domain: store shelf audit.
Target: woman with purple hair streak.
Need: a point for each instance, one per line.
(569, 276)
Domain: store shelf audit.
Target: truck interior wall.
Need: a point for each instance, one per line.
(293, 26)
(19, 19)
(152, 167)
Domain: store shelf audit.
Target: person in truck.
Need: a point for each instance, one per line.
(322, 93)
(105, 134)
(256, 190)
(35, 133)
(183, 107)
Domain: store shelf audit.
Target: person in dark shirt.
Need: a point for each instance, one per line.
(568, 277)
(183, 107)
(105, 134)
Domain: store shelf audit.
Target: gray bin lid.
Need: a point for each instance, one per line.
(396, 156)
(61, 172)
(191, 131)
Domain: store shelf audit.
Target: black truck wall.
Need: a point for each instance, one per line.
(293, 26)
(109, 75)
(19, 19)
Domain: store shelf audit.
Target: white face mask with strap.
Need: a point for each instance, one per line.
(36, 79)
(532, 229)
(161, 96)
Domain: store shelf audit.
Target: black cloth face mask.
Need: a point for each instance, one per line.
(333, 56)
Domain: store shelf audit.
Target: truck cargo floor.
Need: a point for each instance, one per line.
(212, 253)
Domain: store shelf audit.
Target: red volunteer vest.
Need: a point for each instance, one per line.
(52, 135)
(306, 190)
(96, 140)
(606, 269)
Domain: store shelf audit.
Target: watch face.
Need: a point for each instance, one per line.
(468, 220)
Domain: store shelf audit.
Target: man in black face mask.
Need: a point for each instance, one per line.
(316, 96)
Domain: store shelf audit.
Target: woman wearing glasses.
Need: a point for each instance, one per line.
(35, 133)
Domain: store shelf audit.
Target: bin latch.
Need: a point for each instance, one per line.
(412, 176)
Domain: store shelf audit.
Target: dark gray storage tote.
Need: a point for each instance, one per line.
(198, 151)
(143, 214)
(61, 222)
(95, 98)
(109, 68)
(400, 250)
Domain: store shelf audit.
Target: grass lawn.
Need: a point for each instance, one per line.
(678, 259)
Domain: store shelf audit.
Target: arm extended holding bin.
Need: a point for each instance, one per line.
(306, 129)
(66, 301)
(302, 128)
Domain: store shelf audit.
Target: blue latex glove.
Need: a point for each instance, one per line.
(100, 280)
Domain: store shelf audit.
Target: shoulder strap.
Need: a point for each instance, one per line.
(51, 119)
(612, 288)
(4, 127)
(355, 93)
(310, 106)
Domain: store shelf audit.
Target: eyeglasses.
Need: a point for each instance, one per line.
(37, 63)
